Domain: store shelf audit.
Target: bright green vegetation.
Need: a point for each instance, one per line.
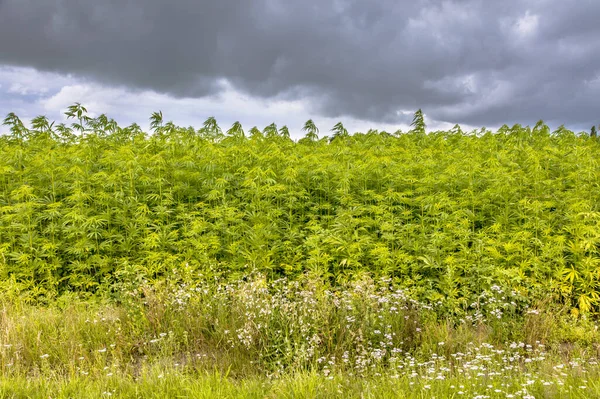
(205, 263)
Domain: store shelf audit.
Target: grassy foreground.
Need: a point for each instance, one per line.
(176, 385)
(296, 339)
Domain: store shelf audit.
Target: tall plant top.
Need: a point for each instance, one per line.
(445, 214)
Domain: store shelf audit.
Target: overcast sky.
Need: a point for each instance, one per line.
(367, 63)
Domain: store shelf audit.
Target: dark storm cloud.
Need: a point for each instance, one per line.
(467, 61)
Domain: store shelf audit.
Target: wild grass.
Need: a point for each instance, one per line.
(301, 338)
(306, 385)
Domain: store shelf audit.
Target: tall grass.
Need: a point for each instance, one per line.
(270, 339)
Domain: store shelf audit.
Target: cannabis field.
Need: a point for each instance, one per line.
(187, 262)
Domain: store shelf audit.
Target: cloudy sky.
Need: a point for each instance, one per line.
(368, 63)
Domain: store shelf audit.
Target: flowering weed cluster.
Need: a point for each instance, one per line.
(272, 331)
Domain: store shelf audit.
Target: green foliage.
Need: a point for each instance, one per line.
(418, 122)
(236, 131)
(210, 129)
(18, 131)
(284, 132)
(311, 130)
(445, 214)
(156, 121)
(339, 132)
(271, 131)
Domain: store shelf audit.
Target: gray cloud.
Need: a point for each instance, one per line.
(467, 61)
